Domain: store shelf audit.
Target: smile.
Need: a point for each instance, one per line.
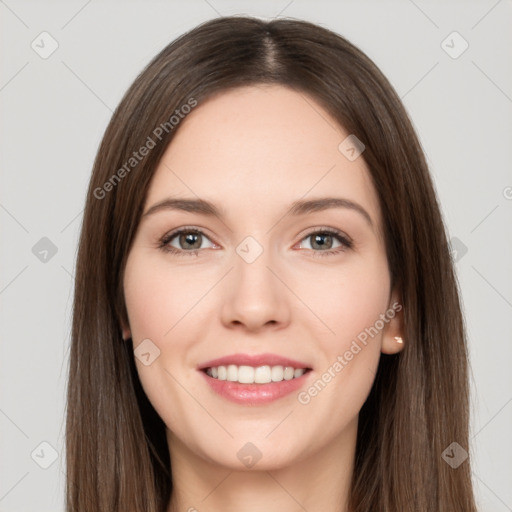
(254, 379)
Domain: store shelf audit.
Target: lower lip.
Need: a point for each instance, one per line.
(255, 394)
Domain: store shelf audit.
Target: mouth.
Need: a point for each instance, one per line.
(254, 380)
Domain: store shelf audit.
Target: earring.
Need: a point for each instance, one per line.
(399, 339)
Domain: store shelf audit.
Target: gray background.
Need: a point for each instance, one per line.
(54, 112)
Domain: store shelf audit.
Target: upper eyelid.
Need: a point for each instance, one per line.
(335, 231)
(186, 229)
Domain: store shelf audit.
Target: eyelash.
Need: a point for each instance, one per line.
(345, 242)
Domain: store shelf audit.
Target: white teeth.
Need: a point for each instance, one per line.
(277, 373)
(222, 373)
(245, 374)
(262, 375)
(232, 373)
(254, 375)
(288, 373)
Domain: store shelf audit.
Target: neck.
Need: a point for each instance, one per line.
(320, 482)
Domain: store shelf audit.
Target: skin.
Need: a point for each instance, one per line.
(253, 151)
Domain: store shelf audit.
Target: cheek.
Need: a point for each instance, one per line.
(364, 298)
(350, 303)
(157, 298)
(346, 300)
(159, 302)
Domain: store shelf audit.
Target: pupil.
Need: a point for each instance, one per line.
(322, 244)
(191, 238)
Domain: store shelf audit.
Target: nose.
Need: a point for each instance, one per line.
(255, 298)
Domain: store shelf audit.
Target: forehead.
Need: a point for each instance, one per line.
(259, 147)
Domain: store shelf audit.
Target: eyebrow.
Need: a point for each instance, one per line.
(299, 207)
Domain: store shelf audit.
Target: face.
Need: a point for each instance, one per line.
(261, 283)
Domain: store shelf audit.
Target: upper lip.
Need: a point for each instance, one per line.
(253, 360)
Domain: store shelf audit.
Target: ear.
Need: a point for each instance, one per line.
(126, 331)
(393, 333)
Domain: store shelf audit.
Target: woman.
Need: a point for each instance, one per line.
(310, 353)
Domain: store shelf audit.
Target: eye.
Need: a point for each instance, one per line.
(325, 241)
(183, 241)
(189, 241)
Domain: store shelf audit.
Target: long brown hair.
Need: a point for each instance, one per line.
(117, 455)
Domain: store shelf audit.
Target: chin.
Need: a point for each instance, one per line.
(253, 454)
